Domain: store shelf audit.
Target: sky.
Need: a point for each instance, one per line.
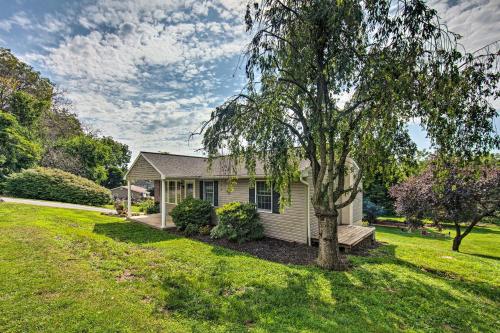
(148, 72)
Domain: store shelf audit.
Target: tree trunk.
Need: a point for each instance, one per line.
(329, 254)
(456, 243)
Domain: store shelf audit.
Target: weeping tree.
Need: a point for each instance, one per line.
(337, 81)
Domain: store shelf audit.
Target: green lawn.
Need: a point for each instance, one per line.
(66, 271)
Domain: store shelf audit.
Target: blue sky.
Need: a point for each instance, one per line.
(148, 72)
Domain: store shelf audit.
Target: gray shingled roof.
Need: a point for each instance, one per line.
(181, 166)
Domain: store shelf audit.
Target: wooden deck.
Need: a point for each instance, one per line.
(352, 235)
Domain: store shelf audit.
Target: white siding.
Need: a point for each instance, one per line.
(357, 208)
(351, 214)
(290, 225)
(142, 170)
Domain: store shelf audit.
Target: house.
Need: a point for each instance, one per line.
(178, 176)
(137, 193)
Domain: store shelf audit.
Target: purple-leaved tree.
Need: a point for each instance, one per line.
(452, 193)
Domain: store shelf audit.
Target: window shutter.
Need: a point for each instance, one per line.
(276, 202)
(216, 193)
(201, 189)
(251, 195)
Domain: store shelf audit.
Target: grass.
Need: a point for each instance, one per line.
(65, 271)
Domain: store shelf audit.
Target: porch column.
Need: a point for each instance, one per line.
(163, 205)
(129, 198)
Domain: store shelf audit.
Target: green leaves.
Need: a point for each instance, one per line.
(56, 185)
(17, 151)
(338, 81)
(191, 214)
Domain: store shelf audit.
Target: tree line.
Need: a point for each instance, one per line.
(38, 128)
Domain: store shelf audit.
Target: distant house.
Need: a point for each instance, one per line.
(137, 193)
(177, 177)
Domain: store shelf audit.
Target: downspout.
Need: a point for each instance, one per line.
(308, 202)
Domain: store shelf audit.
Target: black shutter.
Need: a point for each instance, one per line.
(201, 189)
(276, 202)
(251, 195)
(216, 193)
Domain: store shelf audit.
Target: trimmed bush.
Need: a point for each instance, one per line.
(238, 222)
(149, 206)
(191, 215)
(56, 185)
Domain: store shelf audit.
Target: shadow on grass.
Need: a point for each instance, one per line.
(482, 255)
(310, 299)
(456, 281)
(132, 232)
(382, 292)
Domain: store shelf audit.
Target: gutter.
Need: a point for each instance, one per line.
(308, 202)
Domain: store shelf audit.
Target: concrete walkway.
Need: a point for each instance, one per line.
(57, 204)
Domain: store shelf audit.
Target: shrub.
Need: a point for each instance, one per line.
(149, 206)
(120, 208)
(238, 222)
(371, 211)
(56, 185)
(192, 214)
(205, 230)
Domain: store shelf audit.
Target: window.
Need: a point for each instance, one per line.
(208, 192)
(171, 191)
(189, 189)
(180, 191)
(263, 196)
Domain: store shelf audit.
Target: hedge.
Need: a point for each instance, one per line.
(56, 185)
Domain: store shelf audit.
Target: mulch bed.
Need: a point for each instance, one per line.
(273, 249)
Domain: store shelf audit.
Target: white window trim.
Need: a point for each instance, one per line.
(167, 196)
(205, 189)
(255, 199)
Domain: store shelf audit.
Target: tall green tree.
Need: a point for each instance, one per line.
(43, 118)
(17, 151)
(99, 157)
(27, 108)
(17, 76)
(388, 61)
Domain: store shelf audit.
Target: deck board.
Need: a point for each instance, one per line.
(350, 235)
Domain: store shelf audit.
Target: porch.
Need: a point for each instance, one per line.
(174, 180)
(153, 220)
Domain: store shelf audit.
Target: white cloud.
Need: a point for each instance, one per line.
(148, 71)
(19, 19)
(478, 21)
(142, 71)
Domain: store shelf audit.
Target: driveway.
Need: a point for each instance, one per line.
(57, 204)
